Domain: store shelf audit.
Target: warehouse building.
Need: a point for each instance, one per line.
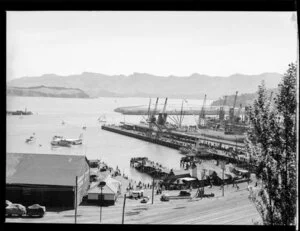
(46, 179)
(110, 192)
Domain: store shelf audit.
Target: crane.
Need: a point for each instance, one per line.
(235, 99)
(149, 109)
(239, 113)
(165, 106)
(152, 117)
(231, 110)
(154, 111)
(222, 111)
(181, 115)
(162, 117)
(202, 112)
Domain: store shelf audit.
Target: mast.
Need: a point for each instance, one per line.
(202, 112)
(181, 114)
(149, 109)
(235, 99)
(164, 109)
(155, 108)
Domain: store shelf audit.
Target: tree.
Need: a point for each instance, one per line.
(271, 141)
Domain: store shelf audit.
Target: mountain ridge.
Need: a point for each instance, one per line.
(135, 84)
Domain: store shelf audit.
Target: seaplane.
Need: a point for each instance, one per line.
(61, 141)
(75, 141)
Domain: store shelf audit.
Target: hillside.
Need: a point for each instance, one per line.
(244, 99)
(43, 91)
(146, 85)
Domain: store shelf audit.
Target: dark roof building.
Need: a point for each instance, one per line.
(46, 179)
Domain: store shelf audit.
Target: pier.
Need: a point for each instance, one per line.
(139, 135)
(209, 148)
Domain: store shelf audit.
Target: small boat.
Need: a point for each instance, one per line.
(62, 122)
(30, 139)
(102, 119)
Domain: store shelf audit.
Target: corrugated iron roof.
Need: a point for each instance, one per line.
(111, 187)
(44, 169)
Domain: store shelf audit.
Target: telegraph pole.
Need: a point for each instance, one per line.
(223, 168)
(123, 209)
(152, 189)
(101, 185)
(76, 199)
(223, 183)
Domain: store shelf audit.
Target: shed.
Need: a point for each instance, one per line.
(110, 191)
(46, 179)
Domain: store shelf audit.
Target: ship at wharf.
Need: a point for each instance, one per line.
(220, 139)
(208, 148)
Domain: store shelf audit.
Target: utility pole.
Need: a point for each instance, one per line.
(223, 168)
(76, 199)
(123, 208)
(101, 185)
(152, 189)
(101, 205)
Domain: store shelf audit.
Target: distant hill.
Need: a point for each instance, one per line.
(147, 85)
(244, 99)
(44, 91)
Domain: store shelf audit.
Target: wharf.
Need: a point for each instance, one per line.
(179, 141)
(140, 135)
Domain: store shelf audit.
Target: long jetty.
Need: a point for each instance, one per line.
(162, 141)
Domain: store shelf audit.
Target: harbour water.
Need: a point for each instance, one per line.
(114, 149)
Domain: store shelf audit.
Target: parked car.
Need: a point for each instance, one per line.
(7, 203)
(165, 197)
(36, 210)
(15, 209)
(184, 193)
(145, 200)
(137, 194)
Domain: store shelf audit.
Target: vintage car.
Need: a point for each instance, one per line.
(36, 210)
(15, 209)
(145, 199)
(184, 193)
(165, 197)
(136, 194)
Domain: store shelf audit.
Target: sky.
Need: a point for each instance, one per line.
(159, 43)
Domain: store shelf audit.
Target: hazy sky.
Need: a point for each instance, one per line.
(160, 43)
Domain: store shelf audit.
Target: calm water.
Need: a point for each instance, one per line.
(112, 148)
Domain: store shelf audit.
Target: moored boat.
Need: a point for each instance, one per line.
(59, 141)
(30, 139)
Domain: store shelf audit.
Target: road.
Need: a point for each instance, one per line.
(232, 209)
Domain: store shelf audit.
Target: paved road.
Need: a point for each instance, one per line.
(234, 208)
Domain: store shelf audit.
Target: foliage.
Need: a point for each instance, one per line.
(272, 144)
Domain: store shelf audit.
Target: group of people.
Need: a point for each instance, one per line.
(139, 186)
